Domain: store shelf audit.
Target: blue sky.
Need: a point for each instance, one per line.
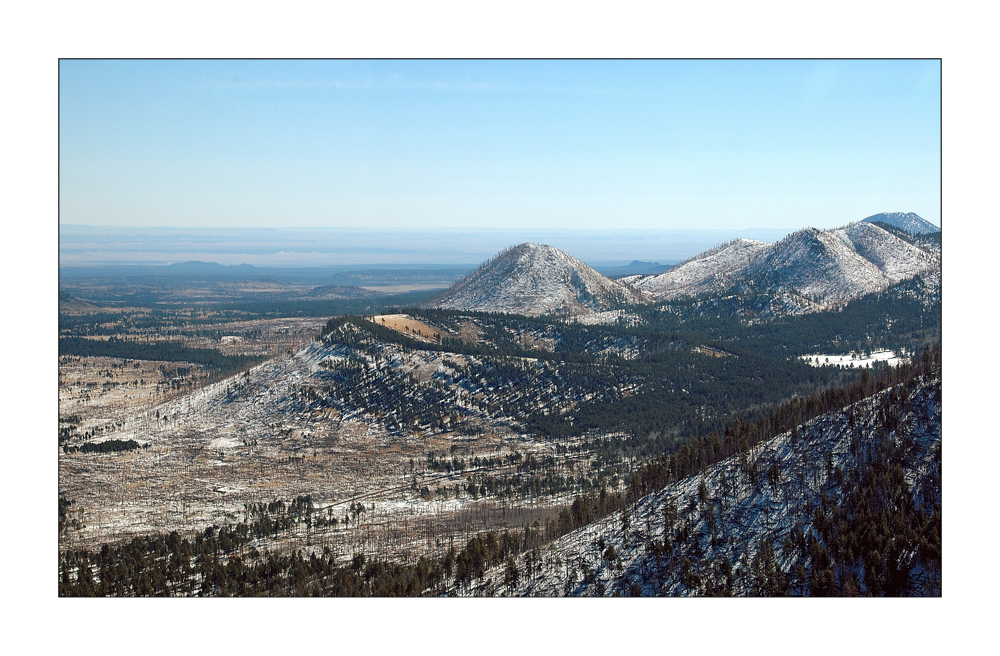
(499, 144)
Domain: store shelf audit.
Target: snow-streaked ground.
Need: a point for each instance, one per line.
(258, 436)
(609, 317)
(854, 359)
(747, 510)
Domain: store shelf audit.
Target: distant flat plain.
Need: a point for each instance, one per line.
(343, 248)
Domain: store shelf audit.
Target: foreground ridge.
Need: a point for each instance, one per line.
(846, 504)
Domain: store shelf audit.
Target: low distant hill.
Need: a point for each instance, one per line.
(535, 280)
(907, 221)
(338, 292)
(634, 268)
(198, 265)
(72, 305)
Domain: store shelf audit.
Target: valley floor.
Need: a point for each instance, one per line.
(259, 436)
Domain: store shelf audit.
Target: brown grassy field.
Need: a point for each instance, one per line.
(409, 326)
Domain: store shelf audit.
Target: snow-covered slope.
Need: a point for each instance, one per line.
(808, 270)
(758, 523)
(535, 280)
(907, 221)
(708, 272)
(820, 267)
(895, 258)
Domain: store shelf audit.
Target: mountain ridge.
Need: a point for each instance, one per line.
(824, 267)
(806, 271)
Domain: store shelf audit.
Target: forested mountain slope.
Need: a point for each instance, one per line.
(848, 503)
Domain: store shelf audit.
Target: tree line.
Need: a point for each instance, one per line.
(107, 446)
(165, 351)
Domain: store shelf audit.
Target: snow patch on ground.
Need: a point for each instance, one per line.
(854, 359)
(224, 443)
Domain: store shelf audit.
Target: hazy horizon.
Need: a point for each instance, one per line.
(346, 247)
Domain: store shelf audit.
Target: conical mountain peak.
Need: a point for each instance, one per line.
(535, 279)
(908, 221)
